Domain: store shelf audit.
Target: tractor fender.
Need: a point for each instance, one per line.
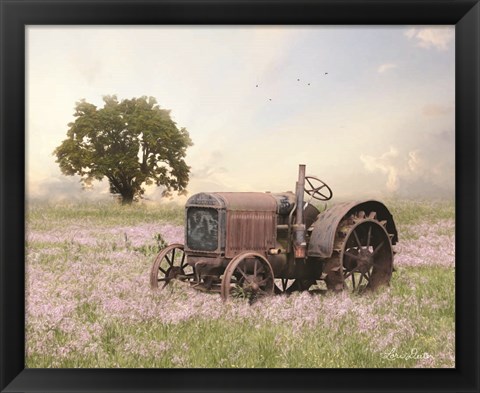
(326, 224)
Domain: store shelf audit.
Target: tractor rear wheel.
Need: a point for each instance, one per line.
(363, 256)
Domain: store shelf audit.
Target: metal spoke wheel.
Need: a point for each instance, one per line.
(365, 257)
(170, 264)
(248, 275)
(317, 189)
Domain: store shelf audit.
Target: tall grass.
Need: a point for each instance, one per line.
(411, 212)
(89, 303)
(48, 215)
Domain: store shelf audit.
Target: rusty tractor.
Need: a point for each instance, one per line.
(253, 244)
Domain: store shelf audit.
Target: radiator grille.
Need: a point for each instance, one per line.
(248, 230)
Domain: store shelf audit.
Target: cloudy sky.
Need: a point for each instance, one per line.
(380, 123)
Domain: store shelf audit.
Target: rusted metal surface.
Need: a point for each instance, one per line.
(231, 222)
(363, 259)
(248, 275)
(300, 242)
(324, 230)
(248, 201)
(325, 227)
(168, 265)
(285, 202)
(205, 199)
(255, 237)
(250, 230)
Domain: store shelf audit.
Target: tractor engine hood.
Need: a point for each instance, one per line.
(281, 203)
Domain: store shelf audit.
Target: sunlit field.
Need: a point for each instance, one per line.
(89, 303)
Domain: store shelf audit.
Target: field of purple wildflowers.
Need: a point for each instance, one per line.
(88, 301)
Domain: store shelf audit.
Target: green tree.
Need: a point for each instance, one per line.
(132, 143)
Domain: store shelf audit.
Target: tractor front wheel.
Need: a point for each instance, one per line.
(170, 264)
(249, 276)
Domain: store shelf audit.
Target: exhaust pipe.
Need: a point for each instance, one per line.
(299, 242)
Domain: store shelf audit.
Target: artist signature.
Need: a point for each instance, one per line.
(413, 354)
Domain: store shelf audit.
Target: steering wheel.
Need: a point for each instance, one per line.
(314, 191)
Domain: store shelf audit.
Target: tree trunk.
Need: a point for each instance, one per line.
(127, 197)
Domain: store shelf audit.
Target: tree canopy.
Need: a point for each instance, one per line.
(132, 143)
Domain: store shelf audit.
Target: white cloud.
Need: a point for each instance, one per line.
(385, 67)
(412, 173)
(436, 37)
(385, 165)
(415, 163)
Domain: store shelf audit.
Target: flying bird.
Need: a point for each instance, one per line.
(309, 84)
(270, 99)
(326, 73)
(256, 86)
(298, 80)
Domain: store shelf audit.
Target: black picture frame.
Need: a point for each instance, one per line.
(16, 15)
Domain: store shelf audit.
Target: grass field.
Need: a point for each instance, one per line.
(88, 301)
